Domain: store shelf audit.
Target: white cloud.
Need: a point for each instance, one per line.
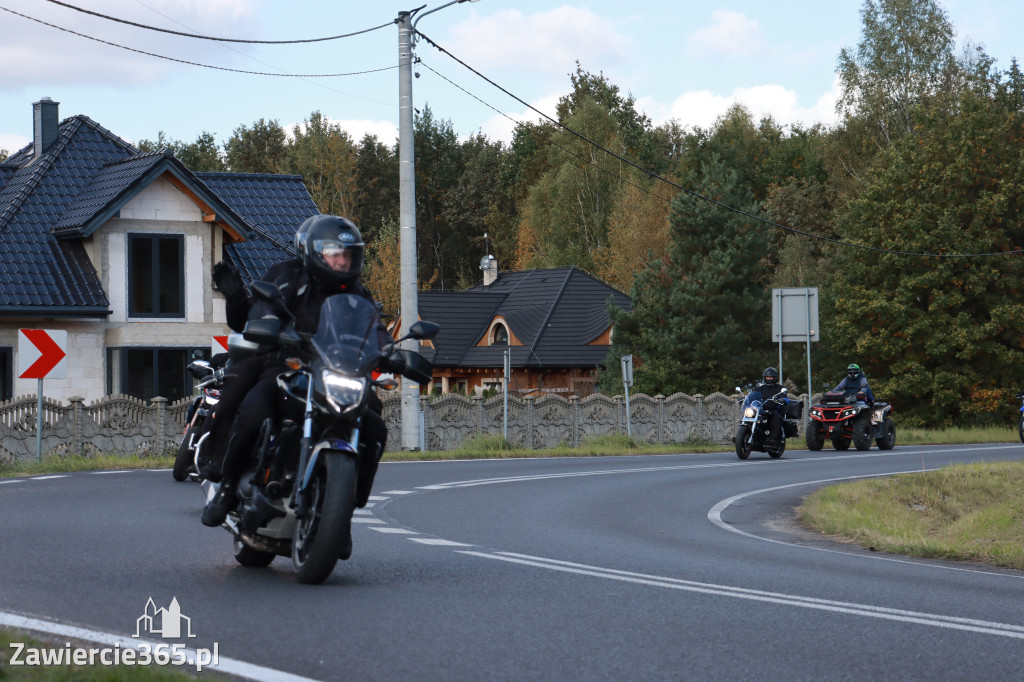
(34, 53)
(547, 42)
(702, 107)
(731, 33)
(12, 143)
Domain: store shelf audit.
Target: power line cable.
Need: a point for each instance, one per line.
(697, 195)
(221, 40)
(205, 66)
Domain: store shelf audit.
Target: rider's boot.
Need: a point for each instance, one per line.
(369, 459)
(216, 510)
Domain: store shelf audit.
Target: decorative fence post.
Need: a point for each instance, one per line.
(698, 431)
(529, 440)
(426, 420)
(76, 424)
(478, 410)
(660, 401)
(574, 411)
(161, 421)
(620, 406)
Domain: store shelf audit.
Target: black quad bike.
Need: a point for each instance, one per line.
(849, 418)
(753, 430)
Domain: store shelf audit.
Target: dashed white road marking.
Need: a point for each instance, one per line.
(113, 471)
(867, 610)
(393, 530)
(439, 542)
(397, 492)
(43, 478)
(362, 512)
(376, 498)
(364, 519)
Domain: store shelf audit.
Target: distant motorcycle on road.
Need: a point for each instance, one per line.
(754, 428)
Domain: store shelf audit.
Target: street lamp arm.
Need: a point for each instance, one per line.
(436, 9)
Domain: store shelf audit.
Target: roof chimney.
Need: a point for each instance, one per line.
(45, 124)
(490, 267)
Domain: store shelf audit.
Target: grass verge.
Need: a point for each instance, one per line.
(968, 512)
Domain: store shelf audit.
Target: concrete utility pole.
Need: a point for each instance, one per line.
(411, 436)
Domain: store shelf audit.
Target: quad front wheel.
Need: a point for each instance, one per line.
(862, 431)
(814, 436)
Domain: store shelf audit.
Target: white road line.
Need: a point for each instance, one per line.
(43, 478)
(393, 530)
(362, 512)
(376, 498)
(439, 542)
(12, 480)
(228, 666)
(397, 492)
(114, 471)
(362, 519)
(867, 610)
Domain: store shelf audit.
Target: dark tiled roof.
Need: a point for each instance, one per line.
(554, 313)
(275, 205)
(86, 175)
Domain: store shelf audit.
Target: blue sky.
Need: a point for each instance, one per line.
(680, 59)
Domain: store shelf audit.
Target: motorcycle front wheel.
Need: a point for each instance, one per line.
(325, 534)
(1020, 429)
(742, 446)
(184, 459)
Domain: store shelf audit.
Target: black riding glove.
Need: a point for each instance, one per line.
(227, 281)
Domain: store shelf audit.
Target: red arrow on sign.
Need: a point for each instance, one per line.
(51, 354)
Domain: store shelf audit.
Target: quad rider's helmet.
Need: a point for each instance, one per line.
(770, 376)
(331, 249)
(853, 371)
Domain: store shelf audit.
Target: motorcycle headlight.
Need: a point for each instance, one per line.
(750, 413)
(342, 392)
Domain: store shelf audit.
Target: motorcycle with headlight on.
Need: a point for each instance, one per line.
(754, 428)
(299, 496)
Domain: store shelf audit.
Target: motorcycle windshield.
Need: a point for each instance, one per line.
(346, 337)
(753, 399)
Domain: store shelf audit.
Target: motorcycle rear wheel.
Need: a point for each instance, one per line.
(325, 535)
(184, 458)
(742, 446)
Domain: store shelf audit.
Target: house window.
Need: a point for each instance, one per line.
(156, 275)
(6, 373)
(146, 373)
(499, 335)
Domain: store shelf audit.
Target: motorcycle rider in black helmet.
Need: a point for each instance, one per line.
(769, 388)
(330, 261)
(855, 382)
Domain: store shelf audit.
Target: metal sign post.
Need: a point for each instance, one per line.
(795, 318)
(508, 375)
(42, 355)
(627, 381)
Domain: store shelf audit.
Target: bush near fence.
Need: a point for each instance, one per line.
(122, 424)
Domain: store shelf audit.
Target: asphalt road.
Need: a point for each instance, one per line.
(626, 568)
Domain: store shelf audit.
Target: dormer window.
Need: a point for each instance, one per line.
(499, 335)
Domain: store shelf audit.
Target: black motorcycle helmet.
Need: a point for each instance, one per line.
(322, 241)
(853, 371)
(770, 376)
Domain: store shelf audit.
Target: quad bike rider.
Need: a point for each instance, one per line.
(850, 414)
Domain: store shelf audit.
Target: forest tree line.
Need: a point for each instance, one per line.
(893, 214)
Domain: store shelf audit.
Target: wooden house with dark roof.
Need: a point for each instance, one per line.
(554, 323)
(116, 247)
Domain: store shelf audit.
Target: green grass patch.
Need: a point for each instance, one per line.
(76, 673)
(990, 434)
(968, 512)
(54, 463)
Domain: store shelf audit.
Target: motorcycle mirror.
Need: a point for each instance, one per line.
(422, 329)
(266, 291)
(738, 390)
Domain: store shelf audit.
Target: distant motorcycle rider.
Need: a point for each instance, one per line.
(769, 388)
(330, 250)
(855, 382)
